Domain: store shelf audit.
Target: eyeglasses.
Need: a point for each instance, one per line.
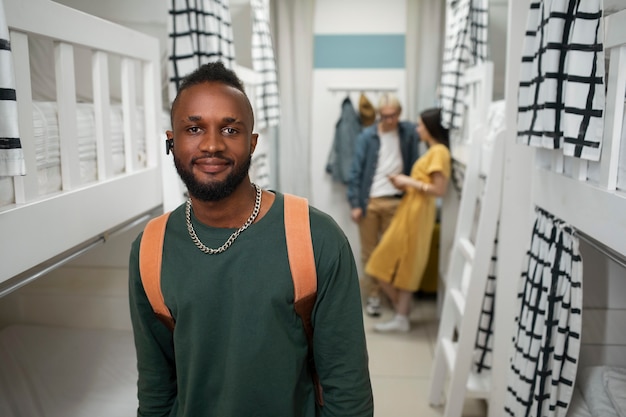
(388, 116)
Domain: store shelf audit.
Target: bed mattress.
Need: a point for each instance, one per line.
(599, 391)
(48, 147)
(64, 372)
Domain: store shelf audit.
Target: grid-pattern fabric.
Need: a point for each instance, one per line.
(457, 176)
(200, 31)
(561, 91)
(547, 338)
(465, 46)
(267, 109)
(483, 348)
(260, 172)
(11, 154)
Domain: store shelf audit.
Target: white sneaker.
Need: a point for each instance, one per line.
(397, 324)
(373, 307)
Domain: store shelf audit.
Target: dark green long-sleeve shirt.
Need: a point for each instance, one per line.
(239, 348)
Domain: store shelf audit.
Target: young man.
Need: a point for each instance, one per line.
(387, 148)
(238, 347)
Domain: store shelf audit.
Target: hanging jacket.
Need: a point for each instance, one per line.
(347, 129)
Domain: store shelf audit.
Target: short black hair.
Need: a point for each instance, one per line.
(206, 73)
(213, 71)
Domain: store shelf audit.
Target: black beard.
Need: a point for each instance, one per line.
(212, 191)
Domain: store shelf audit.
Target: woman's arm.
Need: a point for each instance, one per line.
(437, 187)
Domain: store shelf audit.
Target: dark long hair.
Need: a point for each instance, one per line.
(432, 121)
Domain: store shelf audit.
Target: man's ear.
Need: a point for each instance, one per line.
(253, 141)
(169, 142)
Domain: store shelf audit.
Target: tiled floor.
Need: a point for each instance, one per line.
(400, 366)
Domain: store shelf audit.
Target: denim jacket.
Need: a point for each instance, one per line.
(346, 131)
(365, 160)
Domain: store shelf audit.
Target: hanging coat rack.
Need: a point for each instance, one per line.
(352, 88)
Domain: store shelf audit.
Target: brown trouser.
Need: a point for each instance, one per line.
(380, 211)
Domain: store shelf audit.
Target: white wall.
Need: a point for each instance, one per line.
(603, 340)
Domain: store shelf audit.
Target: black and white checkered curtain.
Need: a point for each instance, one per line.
(547, 339)
(200, 31)
(260, 168)
(465, 46)
(483, 348)
(561, 92)
(267, 109)
(11, 154)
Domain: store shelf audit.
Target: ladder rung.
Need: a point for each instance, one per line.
(449, 352)
(459, 301)
(466, 278)
(478, 385)
(467, 248)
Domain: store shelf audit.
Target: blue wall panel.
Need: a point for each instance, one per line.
(359, 51)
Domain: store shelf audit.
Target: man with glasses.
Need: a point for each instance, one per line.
(386, 148)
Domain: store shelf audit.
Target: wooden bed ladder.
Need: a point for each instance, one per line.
(465, 284)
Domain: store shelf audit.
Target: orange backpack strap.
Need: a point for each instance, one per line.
(303, 272)
(150, 258)
(300, 248)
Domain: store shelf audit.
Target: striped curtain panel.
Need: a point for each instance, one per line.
(561, 91)
(465, 45)
(11, 154)
(267, 109)
(547, 339)
(200, 31)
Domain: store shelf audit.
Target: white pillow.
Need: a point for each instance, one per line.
(615, 385)
(590, 381)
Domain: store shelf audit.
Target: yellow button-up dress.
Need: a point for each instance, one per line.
(402, 254)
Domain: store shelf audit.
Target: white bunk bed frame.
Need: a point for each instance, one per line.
(563, 186)
(40, 231)
(51, 368)
(596, 209)
(477, 96)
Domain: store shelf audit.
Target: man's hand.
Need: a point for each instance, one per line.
(356, 214)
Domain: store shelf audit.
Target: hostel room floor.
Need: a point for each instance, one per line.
(400, 365)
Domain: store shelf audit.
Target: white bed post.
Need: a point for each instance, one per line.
(614, 112)
(66, 105)
(129, 108)
(152, 113)
(102, 114)
(26, 187)
(514, 229)
(155, 133)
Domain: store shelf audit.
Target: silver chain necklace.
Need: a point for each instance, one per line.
(231, 239)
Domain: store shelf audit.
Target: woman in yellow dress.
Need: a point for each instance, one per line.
(399, 260)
